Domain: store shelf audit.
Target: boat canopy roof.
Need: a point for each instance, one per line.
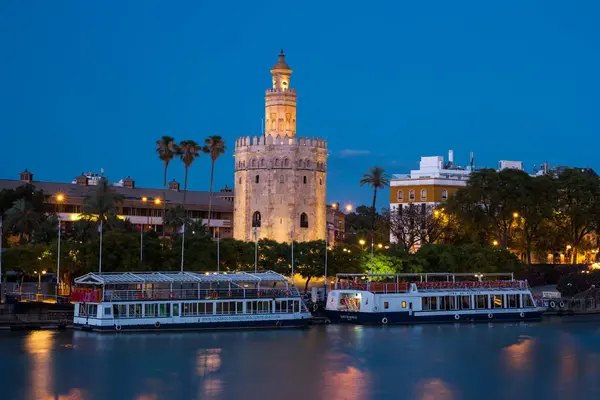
(123, 278)
(477, 275)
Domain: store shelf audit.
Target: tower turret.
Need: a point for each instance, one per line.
(280, 101)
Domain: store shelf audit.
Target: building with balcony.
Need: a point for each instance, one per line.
(336, 224)
(141, 206)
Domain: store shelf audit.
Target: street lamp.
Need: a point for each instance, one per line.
(361, 242)
(495, 243)
(39, 274)
(515, 215)
(380, 245)
(348, 208)
(59, 199)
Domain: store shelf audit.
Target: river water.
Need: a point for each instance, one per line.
(553, 359)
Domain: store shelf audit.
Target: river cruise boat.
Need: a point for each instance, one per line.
(158, 301)
(430, 298)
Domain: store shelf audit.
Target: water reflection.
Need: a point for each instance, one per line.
(208, 361)
(434, 389)
(518, 356)
(38, 345)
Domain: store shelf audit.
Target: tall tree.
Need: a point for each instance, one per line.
(578, 196)
(377, 179)
(102, 202)
(166, 149)
(22, 219)
(188, 151)
(215, 147)
(176, 218)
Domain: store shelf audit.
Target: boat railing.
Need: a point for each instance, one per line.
(403, 287)
(198, 294)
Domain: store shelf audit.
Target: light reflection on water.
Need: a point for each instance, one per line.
(334, 362)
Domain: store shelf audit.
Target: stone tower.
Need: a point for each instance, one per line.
(280, 179)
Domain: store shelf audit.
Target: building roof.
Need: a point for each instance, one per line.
(119, 278)
(71, 190)
(281, 64)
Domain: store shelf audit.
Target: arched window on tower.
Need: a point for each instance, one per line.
(254, 163)
(281, 179)
(256, 219)
(277, 163)
(303, 220)
(286, 163)
(257, 179)
(262, 162)
(307, 163)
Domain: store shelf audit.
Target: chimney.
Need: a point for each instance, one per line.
(129, 183)
(81, 180)
(451, 156)
(26, 176)
(174, 185)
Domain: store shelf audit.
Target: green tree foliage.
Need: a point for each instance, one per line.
(377, 179)
(214, 146)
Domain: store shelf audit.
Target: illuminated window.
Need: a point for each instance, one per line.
(400, 195)
(423, 194)
(444, 194)
(403, 304)
(411, 195)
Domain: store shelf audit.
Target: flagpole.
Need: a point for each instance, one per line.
(100, 255)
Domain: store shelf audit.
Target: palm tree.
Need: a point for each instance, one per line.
(166, 149)
(189, 150)
(215, 146)
(176, 218)
(377, 179)
(23, 219)
(103, 202)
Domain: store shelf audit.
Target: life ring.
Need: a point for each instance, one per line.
(561, 304)
(552, 304)
(384, 320)
(157, 324)
(490, 315)
(522, 314)
(259, 293)
(118, 327)
(171, 295)
(456, 317)
(327, 321)
(375, 308)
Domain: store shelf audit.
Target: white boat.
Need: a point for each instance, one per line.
(157, 301)
(430, 298)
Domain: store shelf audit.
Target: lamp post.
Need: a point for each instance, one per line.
(292, 237)
(39, 274)
(255, 233)
(59, 199)
(326, 251)
(144, 201)
(218, 232)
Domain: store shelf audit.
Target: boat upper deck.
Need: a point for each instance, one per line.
(135, 286)
(431, 282)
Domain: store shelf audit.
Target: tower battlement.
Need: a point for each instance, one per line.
(267, 140)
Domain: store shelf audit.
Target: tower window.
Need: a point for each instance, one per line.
(257, 179)
(281, 179)
(400, 195)
(303, 220)
(411, 195)
(307, 163)
(286, 163)
(253, 163)
(277, 163)
(305, 179)
(240, 180)
(320, 181)
(256, 219)
(262, 162)
(423, 194)
(444, 194)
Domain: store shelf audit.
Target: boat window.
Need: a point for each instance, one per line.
(280, 306)
(443, 303)
(528, 301)
(240, 307)
(403, 304)
(452, 303)
(175, 310)
(512, 301)
(208, 308)
(107, 311)
(480, 301)
(164, 310)
(429, 303)
(498, 301)
(465, 302)
(297, 306)
(386, 305)
(426, 304)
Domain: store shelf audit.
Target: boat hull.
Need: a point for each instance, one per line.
(202, 326)
(404, 318)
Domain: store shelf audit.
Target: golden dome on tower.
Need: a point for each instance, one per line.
(281, 64)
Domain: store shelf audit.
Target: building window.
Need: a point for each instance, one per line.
(256, 219)
(262, 162)
(286, 163)
(307, 163)
(303, 220)
(423, 194)
(253, 163)
(277, 162)
(281, 179)
(403, 304)
(444, 194)
(304, 180)
(240, 180)
(386, 304)
(257, 179)
(400, 195)
(321, 181)
(411, 195)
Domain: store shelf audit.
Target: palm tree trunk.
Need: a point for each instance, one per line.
(373, 211)
(164, 216)
(212, 174)
(185, 186)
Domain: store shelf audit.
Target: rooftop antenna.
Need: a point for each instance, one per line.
(472, 161)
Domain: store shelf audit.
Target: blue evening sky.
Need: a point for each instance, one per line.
(86, 85)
